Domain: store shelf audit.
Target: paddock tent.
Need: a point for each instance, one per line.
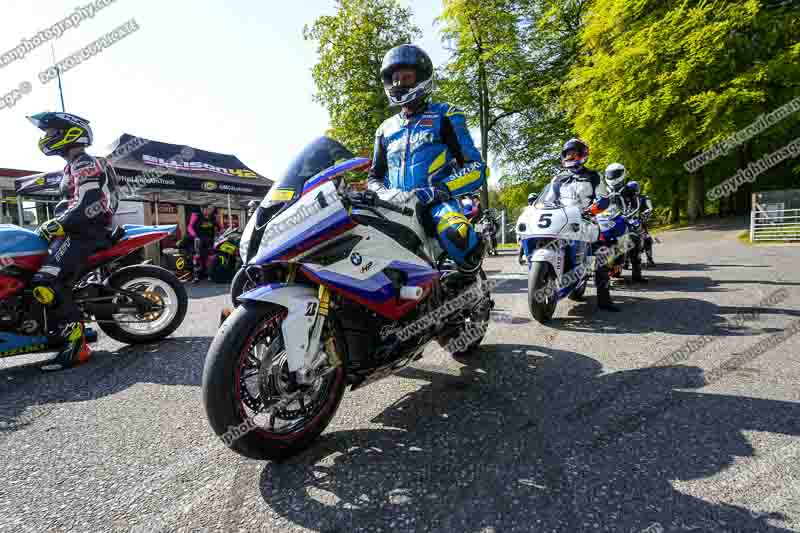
(161, 172)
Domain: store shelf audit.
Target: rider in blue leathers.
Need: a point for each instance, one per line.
(427, 148)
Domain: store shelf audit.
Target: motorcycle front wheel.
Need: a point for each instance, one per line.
(247, 392)
(542, 299)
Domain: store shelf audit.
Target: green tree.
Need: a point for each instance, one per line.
(531, 141)
(485, 68)
(351, 45)
(660, 81)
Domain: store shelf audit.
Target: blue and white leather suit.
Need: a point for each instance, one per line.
(428, 151)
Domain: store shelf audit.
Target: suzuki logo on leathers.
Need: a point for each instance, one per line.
(421, 137)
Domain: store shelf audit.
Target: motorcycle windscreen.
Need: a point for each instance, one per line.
(319, 155)
(311, 220)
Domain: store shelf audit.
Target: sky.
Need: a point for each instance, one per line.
(228, 77)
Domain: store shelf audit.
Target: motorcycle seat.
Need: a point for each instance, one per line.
(116, 235)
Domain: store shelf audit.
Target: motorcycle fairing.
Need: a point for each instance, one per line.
(330, 173)
(12, 344)
(24, 248)
(555, 257)
(135, 237)
(376, 292)
(16, 241)
(320, 225)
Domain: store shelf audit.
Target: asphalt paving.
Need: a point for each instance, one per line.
(680, 413)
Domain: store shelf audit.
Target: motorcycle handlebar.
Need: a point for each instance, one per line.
(371, 200)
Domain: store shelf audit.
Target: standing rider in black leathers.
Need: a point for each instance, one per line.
(81, 227)
(583, 187)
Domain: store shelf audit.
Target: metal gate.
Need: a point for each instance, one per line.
(775, 216)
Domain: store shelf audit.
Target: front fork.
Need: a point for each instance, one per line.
(316, 353)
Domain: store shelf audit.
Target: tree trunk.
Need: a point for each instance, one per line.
(484, 120)
(675, 209)
(695, 207)
(741, 200)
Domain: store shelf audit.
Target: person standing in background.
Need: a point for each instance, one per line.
(203, 228)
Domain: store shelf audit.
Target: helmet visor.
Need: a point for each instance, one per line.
(615, 173)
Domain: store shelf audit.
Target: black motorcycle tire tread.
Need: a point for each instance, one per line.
(146, 271)
(218, 391)
(538, 276)
(473, 347)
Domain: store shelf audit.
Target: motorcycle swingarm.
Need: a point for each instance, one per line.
(102, 305)
(136, 297)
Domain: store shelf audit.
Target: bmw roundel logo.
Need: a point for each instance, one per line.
(355, 258)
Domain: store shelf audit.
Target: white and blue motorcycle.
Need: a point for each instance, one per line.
(557, 242)
(344, 288)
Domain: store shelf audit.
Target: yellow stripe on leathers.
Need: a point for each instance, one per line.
(438, 163)
(464, 180)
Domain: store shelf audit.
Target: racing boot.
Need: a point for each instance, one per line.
(603, 291)
(604, 300)
(76, 352)
(636, 275)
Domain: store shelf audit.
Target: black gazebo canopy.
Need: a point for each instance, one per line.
(157, 171)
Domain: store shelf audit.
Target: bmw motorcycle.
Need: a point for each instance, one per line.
(349, 288)
(132, 304)
(557, 242)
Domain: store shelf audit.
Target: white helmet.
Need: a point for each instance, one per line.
(615, 177)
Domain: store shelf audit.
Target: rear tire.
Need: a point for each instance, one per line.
(127, 275)
(222, 381)
(541, 286)
(479, 319)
